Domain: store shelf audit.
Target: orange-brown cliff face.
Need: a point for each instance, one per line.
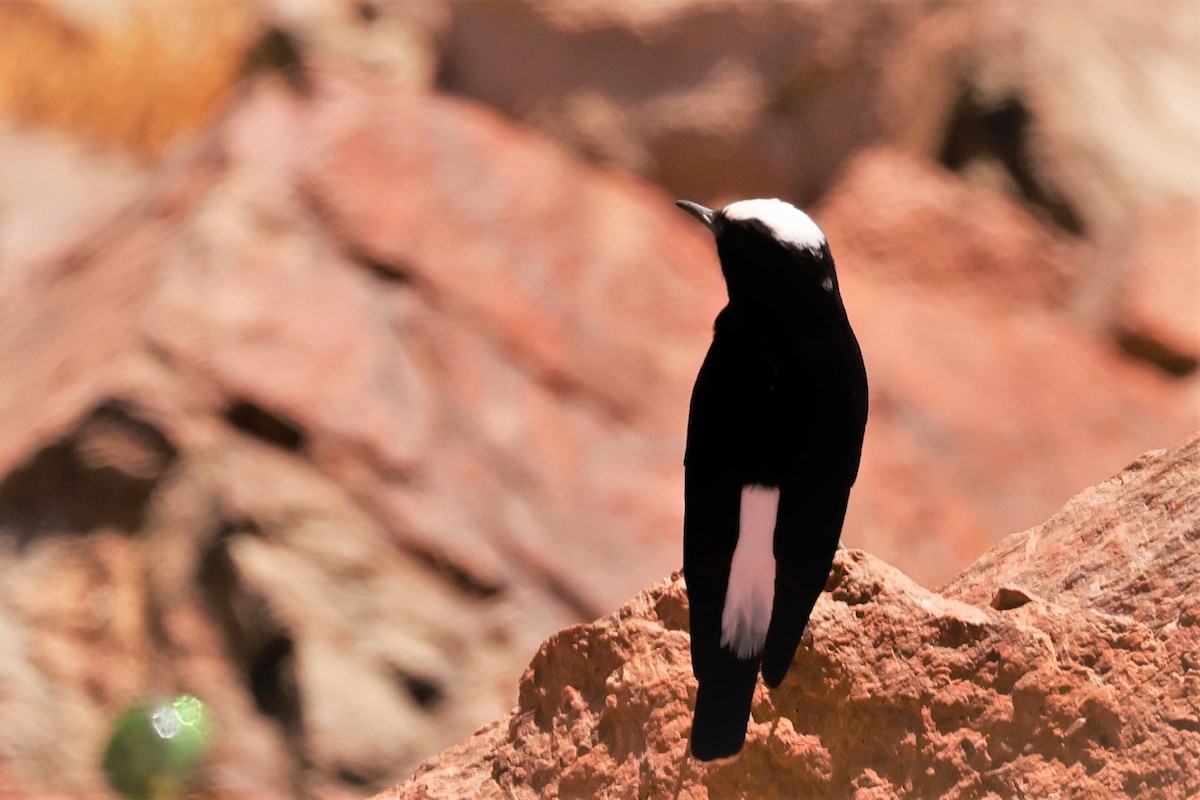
(1063, 662)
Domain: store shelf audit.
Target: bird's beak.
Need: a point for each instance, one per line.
(705, 215)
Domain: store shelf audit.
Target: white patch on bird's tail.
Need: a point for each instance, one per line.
(751, 593)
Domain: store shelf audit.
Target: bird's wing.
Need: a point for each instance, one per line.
(830, 391)
(719, 426)
(807, 530)
(724, 426)
(726, 683)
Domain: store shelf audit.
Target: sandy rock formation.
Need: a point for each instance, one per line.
(53, 190)
(1085, 119)
(1062, 664)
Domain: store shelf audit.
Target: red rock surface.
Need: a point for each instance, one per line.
(1159, 305)
(372, 389)
(710, 99)
(1085, 117)
(775, 96)
(982, 416)
(1062, 663)
(369, 390)
(256, 452)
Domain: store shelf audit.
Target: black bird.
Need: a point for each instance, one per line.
(774, 441)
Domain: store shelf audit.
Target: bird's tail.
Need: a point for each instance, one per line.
(723, 709)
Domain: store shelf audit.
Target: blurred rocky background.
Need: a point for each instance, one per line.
(345, 347)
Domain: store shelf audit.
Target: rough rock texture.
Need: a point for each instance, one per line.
(1062, 664)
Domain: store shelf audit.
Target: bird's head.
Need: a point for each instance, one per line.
(771, 252)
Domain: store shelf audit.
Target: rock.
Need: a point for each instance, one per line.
(394, 38)
(1044, 108)
(135, 75)
(786, 77)
(1159, 306)
(897, 691)
(1143, 518)
(719, 101)
(713, 100)
(981, 419)
(53, 191)
(258, 446)
(926, 227)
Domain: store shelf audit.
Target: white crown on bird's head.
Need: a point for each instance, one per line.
(774, 220)
(783, 220)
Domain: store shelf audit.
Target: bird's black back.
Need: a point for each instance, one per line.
(780, 401)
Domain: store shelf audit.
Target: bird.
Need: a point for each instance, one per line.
(775, 431)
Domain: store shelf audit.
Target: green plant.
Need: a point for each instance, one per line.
(154, 748)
